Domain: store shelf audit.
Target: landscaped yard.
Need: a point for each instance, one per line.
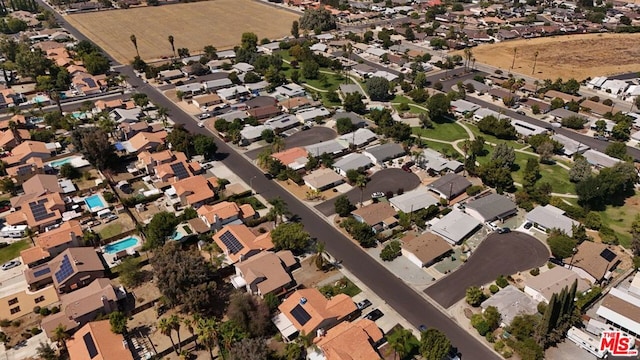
(445, 149)
(448, 131)
(492, 139)
(110, 230)
(619, 218)
(13, 250)
(342, 286)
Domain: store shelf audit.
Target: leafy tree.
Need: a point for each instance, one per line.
(278, 209)
(118, 321)
(617, 150)
(500, 128)
(343, 206)
(69, 171)
(361, 232)
(438, 106)
(474, 296)
(497, 175)
(391, 251)
(378, 88)
(320, 19)
(344, 125)
(492, 317)
(402, 342)
(573, 122)
(250, 349)
(268, 135)
(610, 185)
(561, 244)
(129, 273)
(96, 63)
(353, 102)
(505, 154)
(434, 344)
(580, 170)
(531, 174)
(295, 29)
(95, 146)
(180, 140)
(593, 221)
(420, 80)
(310, 69)
(60, 335)
(46, 352)
(502, 281)
(161, 226)
(250, 313)
(205, 145)
(290, 236)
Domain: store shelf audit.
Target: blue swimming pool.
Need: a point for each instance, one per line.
(121, 245)
(95, 202)
(59, 163)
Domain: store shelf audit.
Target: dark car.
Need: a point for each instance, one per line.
(406, 168)
(528, 225)
(374, 315)
(363, 304)
(422, 328)
(504, 230)
(268, 176)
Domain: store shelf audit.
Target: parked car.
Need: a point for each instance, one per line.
(11, 264)
(363, 304)
(374, 315)
(528, 225)
(521, 112)
(406, 168)
(110, 218)
(201, 125)
(204, 116)
(422, 328)
(504, 230)
(377, 195)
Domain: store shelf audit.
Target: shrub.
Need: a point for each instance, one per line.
(109, 196)
(404, 107)
(36, 330)
(5, 322)
(391, 251)
(542, 307)
(55, 310)
(550, 265)
(507, 353)
(482, 327)
(16, 323)
(502, 281)
(498, 346)
(607, 102)
(490, 337)
(474, 190)
(27, 335)
(45, 311)
(494, 288)
(535, 271)
(36, 309)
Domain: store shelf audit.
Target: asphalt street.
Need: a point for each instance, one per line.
(498, 254)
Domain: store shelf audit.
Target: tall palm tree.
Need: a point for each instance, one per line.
(163, 114)
(189, 324)
(173, 47)
(134, 41)
(400, 342)
(166, 329)
(207, 331)
(60, 336)
(277, 145)
(535, 59)
(361, 182)
(467, 58)
(319, 259)
(264, 159)
(278, 209)
(175, 321)
(513, 62)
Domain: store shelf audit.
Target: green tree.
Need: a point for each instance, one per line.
(434, 344)
(580, 170)
(118, 322)
(500, 128)
(46, 352)
(278, 209)
(505, 154)
(492, 317)
(250, 313)
(161, 226)
(391, 251)
(402, 342)
(344, 125)
(378, 88)
(268, 135)
(60, 335)
(207, 332)
(343, 206)
(134, 41)
(290, 236)
(439, 106)
(353, 102)
(617, 150)
(166, 328)
(129, 273)
(7, 186)
(96, 63)
(561, 244)
(205, 146)
(94, 144)
(320, 19)
(295, 29)
(474, 296)
(310, 69)
(531, 174)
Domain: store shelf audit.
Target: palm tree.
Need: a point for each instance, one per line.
(535, 59)
(174, 321)
(264, 159)
(190, 323)
(28, 232)
(135, 43)
(166, 329)
(278, 209)
(513, 62)
(207, 331)
(60, 336)
(467, 58)
(163, 113)
(319, 260)
(361, 182)
(173, 48)
(400, 342)
(277, 145)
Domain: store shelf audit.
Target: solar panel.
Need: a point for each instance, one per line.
(179, 171)
(90, 345)
(231, 242)
(90, 82)
(41, 272)
(608, 255)
(300, 314)
(65, 270)
(39, 211)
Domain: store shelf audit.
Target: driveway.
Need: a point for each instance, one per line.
(499, 254)
(383, 180)
(314, 135)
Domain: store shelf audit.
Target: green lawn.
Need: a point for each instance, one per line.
(342, 286)
(401, 99)
(444, 149)
(111, 230)
(619, 218)
(492, 139)
(446, 131)
(13, 251)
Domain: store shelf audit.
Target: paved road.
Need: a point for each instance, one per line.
(383, 180)
(401, 297)
(314, 135)
(499, 254)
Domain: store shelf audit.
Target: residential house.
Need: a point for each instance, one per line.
(436, 163)
(359, 138)
(525, 129)
(265, 273)
(144, 141)
(502, 94)
(622, 310)
(331, 147)
(95, 340)
(193, 191)
(204, 101)
(424, 249)
(381, 153)
(353, 161)
(596, 108)
(552, 94)
(282, 123)
(233, 92)
(225, 212)
(17, 300)
(10, 139)
(531, 102)
(238, 243)
(561, 113)
(53, 242)
(27, 150)
(307, 311)
(82, 306)
(455, 226)
(594, 262)
(510, 303)
(251, 134)
(72, 269)
(177, 169)
(37, 185)
(449, 186)
(170, 74)
(378, 215)
(242, 67)
(322, 179)
(570, 147)
(484, 112)
(549, 217)
(491, 207)
(39, 212)
(386, 75)
(614, 87)
(349, 341)
(600, 160)
(291, 105)
(88, 84)
(552, 281)
(264, 112)
(126, 115)
(22, 172)
(310, 114)
(291, 90)
(296, 158)
(462, 107)
(414, 200)
(215, 85)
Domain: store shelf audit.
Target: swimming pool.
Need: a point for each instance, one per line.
(59, 163)
(40, 98)
(120, 245)
(95, 202)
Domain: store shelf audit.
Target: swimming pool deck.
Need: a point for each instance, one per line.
(110, 259)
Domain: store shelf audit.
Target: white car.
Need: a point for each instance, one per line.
(11, 264)
(377, 195)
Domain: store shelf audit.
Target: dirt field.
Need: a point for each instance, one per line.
(577, 56)
(217, 22)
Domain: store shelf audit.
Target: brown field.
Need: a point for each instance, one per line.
(217, 22)
(570, 56)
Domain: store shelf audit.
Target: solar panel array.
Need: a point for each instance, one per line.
(41, 272)
(90, 82)
(179, 171)
(90, 345)
(231, 242)
(608, 255)
(65, 270)
(39, 211)
(300, 314)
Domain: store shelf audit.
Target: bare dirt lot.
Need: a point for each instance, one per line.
(217, 22)
(571, 56)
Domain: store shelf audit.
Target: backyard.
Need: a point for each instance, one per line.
(13, 250)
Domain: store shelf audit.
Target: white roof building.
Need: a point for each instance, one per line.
(232, 92)
(550, 217)
(600, 160)
(526, 129)
(353, 161)
(570, 146)
(413, 200)
(385, 74)
(615, 87)
(510, 303)
(455, 226)
(622, 309)
(484, 112)
(462, 107)
(291, 90)
(312, 113)
(243, 67)
(358, 138)
(332, 147)
(253, 133)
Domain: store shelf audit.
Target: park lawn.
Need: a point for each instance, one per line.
(448, 131)
(492, 139)
(619, 218)
(445, 149)
(13, 251)
(111, 230)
